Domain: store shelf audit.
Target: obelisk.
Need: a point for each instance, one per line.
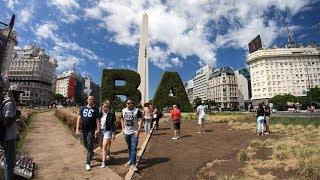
(143, 68)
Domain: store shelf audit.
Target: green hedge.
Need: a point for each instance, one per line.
(109, 90)
(172, 81)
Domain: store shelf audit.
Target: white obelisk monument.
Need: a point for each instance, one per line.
(143, 68)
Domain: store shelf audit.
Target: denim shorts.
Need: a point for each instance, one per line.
(106, 134)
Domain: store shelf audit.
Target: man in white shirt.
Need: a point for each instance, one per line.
(201, 118)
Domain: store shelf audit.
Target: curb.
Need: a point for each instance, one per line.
(139, 154)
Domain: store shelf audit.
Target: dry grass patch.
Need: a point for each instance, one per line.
(295, 149)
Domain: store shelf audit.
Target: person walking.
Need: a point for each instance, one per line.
(157, 114)
(90, 125)
(147, 118)
(9, 115)
(176, 117)
(201, 118)
(267, 118)
(131, 119)
(107, 120)
(260, 119)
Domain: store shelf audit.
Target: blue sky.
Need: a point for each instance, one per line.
(184, 35)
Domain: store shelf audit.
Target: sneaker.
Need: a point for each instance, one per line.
(199, 132)
(127, 164)
(103, 165)
(88, 168)
(178, 137)
(174, 138)
(134, 168)
(266, 133)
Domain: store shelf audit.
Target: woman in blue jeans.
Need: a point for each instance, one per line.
(260, 119)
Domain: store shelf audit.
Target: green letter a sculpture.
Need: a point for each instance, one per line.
(171, 91)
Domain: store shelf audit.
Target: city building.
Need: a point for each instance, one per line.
(94, 89)
(73, 87)
(244, 87)
(289, 70)
(200, 82)
(223, 87)
(34, 72)
(189, 90)
(9, 49)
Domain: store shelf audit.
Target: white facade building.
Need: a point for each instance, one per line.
(189, 90)
(9, 49)
(244, 87)
(281, 71)
(223, 88)
(34, 72)
(200, 82)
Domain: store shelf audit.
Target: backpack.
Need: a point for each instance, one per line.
(2, 126)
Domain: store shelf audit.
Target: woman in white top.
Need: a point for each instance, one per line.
(107, 120)
(147, 118)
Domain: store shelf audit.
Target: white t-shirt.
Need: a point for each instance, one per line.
(200, 110)
(130, 118)
(103, 121)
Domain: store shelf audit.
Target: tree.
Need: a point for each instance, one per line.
(59, 98)
(280, 101)
(197, 101)
(314, 95)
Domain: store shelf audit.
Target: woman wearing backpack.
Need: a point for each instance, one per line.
(107, 120)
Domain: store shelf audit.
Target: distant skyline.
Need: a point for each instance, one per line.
(184, 35)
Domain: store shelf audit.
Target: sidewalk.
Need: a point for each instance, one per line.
(57, 154)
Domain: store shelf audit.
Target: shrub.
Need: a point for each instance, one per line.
(171, 83)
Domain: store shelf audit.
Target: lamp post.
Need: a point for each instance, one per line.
(4, 43)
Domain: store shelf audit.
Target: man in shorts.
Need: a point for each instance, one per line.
(176, 118)
(201, 118)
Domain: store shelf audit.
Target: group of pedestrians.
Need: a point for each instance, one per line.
(263, 119)
(101, 124)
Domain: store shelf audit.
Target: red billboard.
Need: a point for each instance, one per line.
(71, 87)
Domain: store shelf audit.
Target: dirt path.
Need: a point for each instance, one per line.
(57, 154)
(184, 158)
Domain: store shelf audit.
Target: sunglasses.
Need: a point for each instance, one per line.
(130, 103)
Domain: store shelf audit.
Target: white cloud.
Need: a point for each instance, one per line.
(11, 3)
(46, 30)
(186, 28)
(68, 9)
(177, 62)
(25, 15)
(65, 3)
(66, 52)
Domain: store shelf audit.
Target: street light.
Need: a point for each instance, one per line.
(4, 42)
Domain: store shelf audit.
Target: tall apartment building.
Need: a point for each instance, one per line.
(34, 72)
(200, 82)
(9, 49)
(223, 87)
(95, 89)
(289, 70)
(244, 87)
(189, 90)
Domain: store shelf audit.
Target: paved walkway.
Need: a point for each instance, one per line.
(57, 154)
